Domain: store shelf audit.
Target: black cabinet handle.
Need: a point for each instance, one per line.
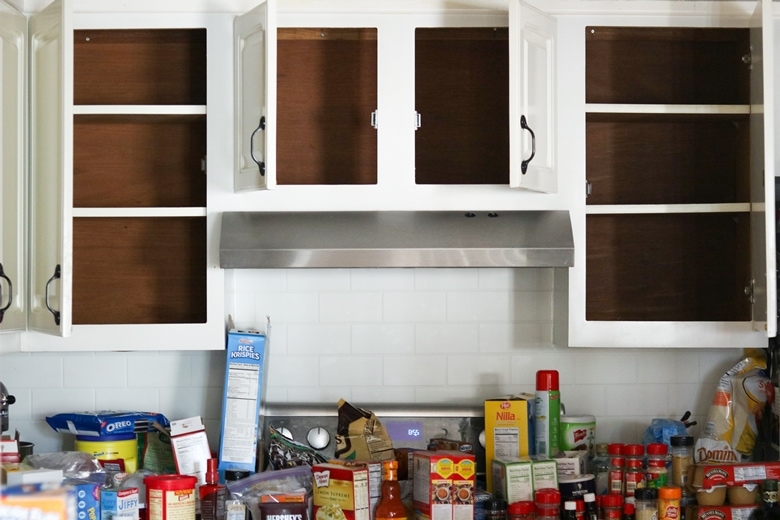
(260, 164)
(10, 293)
(55, 276)
(524, 126)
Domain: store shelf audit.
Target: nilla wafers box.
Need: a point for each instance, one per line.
(444, 485)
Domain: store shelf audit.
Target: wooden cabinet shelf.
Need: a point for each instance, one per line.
(462, 96)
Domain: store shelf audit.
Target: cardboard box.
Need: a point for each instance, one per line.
(571, 463)
(444, 485)
(87, 498)
(508, 429)
(513, 479)
(29, 502)
(119, 503)
(341, 488)
(737, 474)
(725, 512)
(27, 475)
(246, 373)
(545, 472)
(190, 446)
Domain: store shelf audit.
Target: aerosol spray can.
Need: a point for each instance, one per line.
(547, 413)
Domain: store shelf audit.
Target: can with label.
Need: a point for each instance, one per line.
(547, 413)
(578, 432)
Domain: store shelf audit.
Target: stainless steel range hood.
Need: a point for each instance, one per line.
(396, 239)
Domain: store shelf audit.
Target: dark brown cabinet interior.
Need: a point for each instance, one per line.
(671, 266)
(326, 93)
(462, 96)
(139, 270)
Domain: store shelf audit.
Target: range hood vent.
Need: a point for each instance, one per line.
(349, 239)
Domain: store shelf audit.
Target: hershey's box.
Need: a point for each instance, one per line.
(246, 372)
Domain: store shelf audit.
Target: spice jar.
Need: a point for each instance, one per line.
(548, 504)
(633, 475)
(495, 509)
(570, 510)
(601, 468)
(523, 510)
(591, 508)
(769, 493)
(646, 501)
(682, 457)
(669, 503)
(657, 475)
(612, 506)
(616, 468)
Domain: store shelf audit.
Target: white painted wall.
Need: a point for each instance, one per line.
(374, 336)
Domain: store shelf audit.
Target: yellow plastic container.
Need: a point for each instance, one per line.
(111, 448)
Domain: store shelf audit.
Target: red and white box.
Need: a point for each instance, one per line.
(444, 485)
(340, 488)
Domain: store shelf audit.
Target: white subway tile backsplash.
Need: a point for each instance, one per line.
(318, 280)
(318, 338)
(476, 370)
(374, 336)
(414, 307)
(382, 279)
(355, 370)
(446, 279)
(417, 370)
(95, 372)
(291, 371)
(350, 307)
(446, 338)
(628, 400)
(382, 338)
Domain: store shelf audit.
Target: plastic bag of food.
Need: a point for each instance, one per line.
(286, 453)
(74, 464)
(732, 424)
(261, 487)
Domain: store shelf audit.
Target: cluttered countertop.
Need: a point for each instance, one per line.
(516, 455)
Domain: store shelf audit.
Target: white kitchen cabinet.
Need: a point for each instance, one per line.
(122, 255)
(13, 95)
(379, 156)
(674, 230)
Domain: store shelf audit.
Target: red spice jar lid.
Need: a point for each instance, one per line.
(612, 500)
(615, 448)
(633, 450)
(580, 505)
(657, 448)
(548, 496)
(523, 507)
(629, 508)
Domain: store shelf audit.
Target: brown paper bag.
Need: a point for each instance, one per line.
(360, 435)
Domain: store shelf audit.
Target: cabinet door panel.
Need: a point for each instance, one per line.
(13, 49)
(762, 224)
(532, 37)
(51, 168)
(255, 98)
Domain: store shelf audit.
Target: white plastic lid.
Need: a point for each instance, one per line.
(570, 505)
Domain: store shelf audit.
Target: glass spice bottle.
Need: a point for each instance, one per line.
(548, 504)
(495, 509)
(601, 468)
(616, 468)
(629, 511)
(591, 508)
(682, 457)
(769, 493)
(612, 506)
(657, 457)
(522, 510)
(633, 475)
(570, 510)
(390, 506)
(646, 503)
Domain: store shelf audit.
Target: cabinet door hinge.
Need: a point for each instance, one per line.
(203, 164)
(417, 121)
(374, 122)
(588, 188)
(750, 290)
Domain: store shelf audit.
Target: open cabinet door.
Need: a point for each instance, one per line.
(531, 99)
(51, 168)
(13, 67)
(255, 98)
(762, 181)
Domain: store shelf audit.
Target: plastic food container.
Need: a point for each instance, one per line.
(111, 448)
(715, 496)
(743, 495)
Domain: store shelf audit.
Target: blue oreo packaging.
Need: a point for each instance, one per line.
(98, 424)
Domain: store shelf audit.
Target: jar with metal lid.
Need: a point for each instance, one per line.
(634, 475)
(495, 509)
(616, 468)
(600, 464)
(548, 504)
(657, 457)
(612, 506)
(682, 457)
(769, 493)
(522, 510)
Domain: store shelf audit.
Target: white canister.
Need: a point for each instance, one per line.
(578, 432)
